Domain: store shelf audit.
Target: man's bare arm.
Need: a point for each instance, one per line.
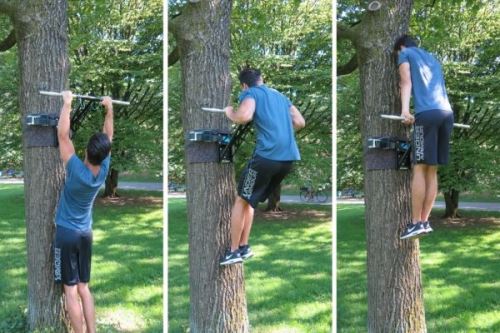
(297, 120)
(66, 148)
(245, 111)
(405, 87)
(108, 120)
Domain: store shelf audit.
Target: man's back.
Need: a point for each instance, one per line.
(427, 79)
(78, 195)
(272, 120)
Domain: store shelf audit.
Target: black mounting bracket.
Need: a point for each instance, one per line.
(209, 145)
(40, 130)
(385, 152)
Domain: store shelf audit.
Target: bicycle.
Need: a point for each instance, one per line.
(309, 194)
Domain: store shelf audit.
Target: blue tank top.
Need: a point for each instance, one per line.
(273, 124)
(79, 192)
(428, 88)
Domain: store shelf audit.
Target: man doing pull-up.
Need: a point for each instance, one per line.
(421, 75)
(73, 244)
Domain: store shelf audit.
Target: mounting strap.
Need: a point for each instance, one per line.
(40, 130)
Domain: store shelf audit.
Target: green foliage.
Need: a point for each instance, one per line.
(459, 274)
(296, 295)
(116, 49)
(10, 138)
(349, 154)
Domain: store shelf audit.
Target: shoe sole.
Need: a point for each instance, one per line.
(413, 234)
(230, 262)
(248, 256)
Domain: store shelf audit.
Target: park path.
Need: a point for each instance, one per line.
(484, 206)
(121, 185)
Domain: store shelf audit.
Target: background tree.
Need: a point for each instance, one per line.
(395, 297)
(217, 294)
(40, 31)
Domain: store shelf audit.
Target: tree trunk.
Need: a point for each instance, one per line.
(395, 300)
(273, 202)
(42, 38)
(217, 294)
(451, 200)
(111, 184)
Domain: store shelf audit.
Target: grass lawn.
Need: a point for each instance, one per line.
(460, 271)
(291, 296)
(126, 279)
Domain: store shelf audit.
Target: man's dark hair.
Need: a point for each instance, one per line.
(98, 148)
(406, 41)
(249, 76)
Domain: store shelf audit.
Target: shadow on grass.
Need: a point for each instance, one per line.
(126, 265)
(288, 282)
(460, 273)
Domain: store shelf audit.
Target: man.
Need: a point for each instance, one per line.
(421, 76)
(73, 245)
(274, 118)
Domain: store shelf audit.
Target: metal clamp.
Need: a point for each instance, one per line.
(400, 159)
(39, 119)
(221, 139)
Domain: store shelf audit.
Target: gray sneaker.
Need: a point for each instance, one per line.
(231, 258)
(413, 230)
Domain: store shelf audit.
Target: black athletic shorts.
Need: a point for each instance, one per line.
(260, 177)
(431, 137)
(72, 256)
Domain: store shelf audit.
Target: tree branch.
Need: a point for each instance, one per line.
(8, 42)
(173, 57)
(349, 67)
(350, 33)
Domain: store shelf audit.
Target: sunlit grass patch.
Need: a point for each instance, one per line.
(288, 281)
(460, 273)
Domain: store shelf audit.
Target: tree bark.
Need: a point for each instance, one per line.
(451, 199)
(111, 184)
(42, 38)
(273, 202)
(395, 296)
(217, 294)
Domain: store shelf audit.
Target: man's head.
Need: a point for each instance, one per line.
(98, 148)
(250, 77)
(405, 41)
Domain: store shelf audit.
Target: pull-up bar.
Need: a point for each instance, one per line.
(213, 109)
(92, 98)
(393, 117)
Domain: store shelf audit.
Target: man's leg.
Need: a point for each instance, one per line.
(431, 188)
(74, 308)
(238, 214)
(88, 306)
(247, 224)
(418, 191)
